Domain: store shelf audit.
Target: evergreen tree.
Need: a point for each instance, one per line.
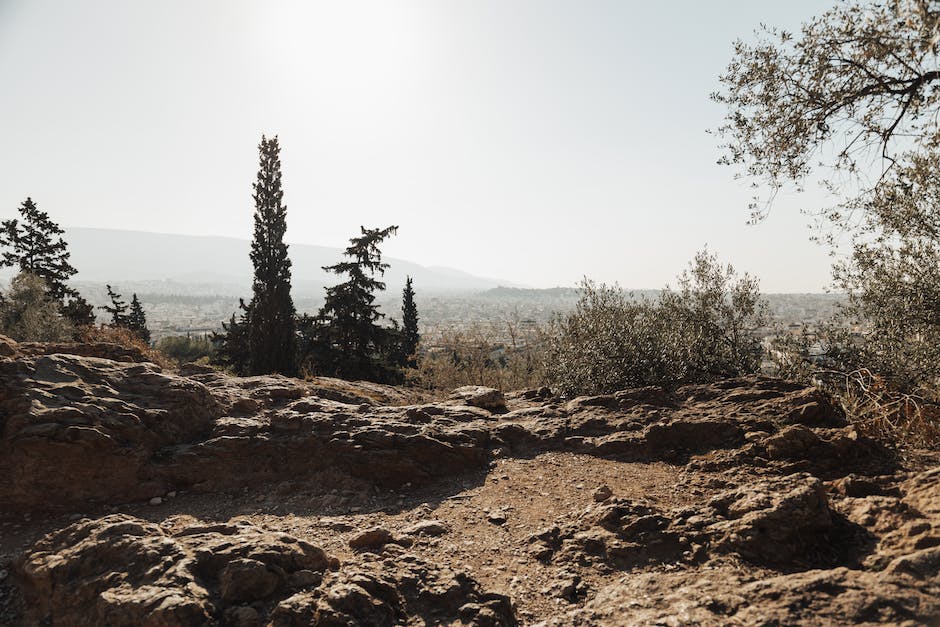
(271, 325)
(137, 320)
(36, 246)
(231, 346)
(346, 341)
(79, 311)
(117, 309)
(409, 316)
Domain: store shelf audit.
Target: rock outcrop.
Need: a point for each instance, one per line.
(120, 570)
(324, 502)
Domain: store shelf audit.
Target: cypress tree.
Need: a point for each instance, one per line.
(271, 326)
(117, 309)
(409, 331)
(137, 320)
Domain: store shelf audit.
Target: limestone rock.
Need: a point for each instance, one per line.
(120, 570)
(486, 398)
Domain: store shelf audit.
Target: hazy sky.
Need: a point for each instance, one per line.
(532, 140)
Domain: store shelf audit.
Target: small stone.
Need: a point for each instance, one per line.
(426, 528)
(371, 538)
(603, 493)
(75, 517)
(497, 517)
(171, 495)
(155, 500)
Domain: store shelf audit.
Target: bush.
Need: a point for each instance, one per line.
(187, 349)
(128, 338)
(702, 332)
(883, 398)
(507, 356)
(28, 313)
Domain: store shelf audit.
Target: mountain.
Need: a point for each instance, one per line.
(115, 256)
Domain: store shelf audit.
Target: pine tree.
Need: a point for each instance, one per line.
(346, 341)
(271, 325)
(409, 316)
(79, 311)
(117, 309)
(37, 247)
(137, 320)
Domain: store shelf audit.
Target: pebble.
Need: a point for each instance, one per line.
(603, 493)
(156, 500)
(497, 517)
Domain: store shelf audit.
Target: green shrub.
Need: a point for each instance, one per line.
(701, 332)
(186, 348)
(29, 313)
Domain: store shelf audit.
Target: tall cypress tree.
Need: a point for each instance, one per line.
(409, 324)
(271, 326)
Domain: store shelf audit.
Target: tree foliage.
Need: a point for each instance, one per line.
(231, 345)
(409, 325)
(702, 332)
(33, 243)
(855, 92)
(30, 313)
(117, 309)
(271, 325)
(345, 340)
(137, 320)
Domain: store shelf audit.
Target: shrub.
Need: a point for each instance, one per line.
(702, 332)
(506, 356)
(187, 349)
(882, 399)
(29, 313)
(127, 338)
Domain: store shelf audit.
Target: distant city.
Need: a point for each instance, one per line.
(199, 308)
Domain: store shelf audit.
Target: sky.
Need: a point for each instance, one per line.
(536, 141)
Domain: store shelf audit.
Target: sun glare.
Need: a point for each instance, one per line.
(358, 49)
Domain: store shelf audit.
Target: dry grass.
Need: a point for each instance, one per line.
(504, 356)
(877, 410)
(127, 339)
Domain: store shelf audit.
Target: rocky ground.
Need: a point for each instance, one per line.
(132, 496)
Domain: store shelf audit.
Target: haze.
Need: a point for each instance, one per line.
(536, 141)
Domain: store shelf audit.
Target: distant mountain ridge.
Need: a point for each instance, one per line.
(115, 256)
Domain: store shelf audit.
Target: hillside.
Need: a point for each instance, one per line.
(223, 263)
(134, 496)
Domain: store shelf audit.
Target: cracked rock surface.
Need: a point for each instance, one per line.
(134, 496)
